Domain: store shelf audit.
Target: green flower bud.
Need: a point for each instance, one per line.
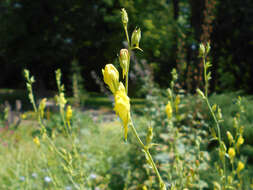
(136, 37)
(230, 138)
(124, 60)
(124, 17)
(200, 93)
(149, 136)
(202, 50)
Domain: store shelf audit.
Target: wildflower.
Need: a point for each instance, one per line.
(47, 179)
(124, 17)
(93, 176)
(122, 107)
(68, 113)
(22, 178)
(36, 141)
(124, 61)
(111, 77)
(240, 167)
(168, 110)
(23, 116)
(34, 175)
(240, 141)
(231, 153)
(68, 188)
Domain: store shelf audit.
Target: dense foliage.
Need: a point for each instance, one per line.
(45, 35)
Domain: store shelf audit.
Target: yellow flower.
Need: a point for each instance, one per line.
(168, 110)
(36, 141)
(240, 140)
(122, 107)
(111, 77)
(240, 166)
(68, 113)
(231, 153)
(124, 61)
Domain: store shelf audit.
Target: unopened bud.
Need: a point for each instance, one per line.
(202, 50)
(230, 138)
(124, 17)
(136, 37)
(149, 135)
(124, 60)
(200, 93)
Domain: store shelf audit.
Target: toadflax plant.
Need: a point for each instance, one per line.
(120, 91)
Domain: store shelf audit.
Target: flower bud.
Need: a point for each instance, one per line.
(200, 93)
(230, 138)
(136, 37)
(124, 61)
(202, 50)
(42, 106)
(111, 77)
(124, 17)
(149, 136)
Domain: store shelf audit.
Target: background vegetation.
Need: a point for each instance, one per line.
(45, 35)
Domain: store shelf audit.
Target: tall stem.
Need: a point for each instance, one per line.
(145, 149)
(129, 52)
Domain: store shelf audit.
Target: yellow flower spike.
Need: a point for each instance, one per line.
(240, 167)
(124, 60)
(111, 77)
(169, 110)
(36, 141)
(122, 107)
(231, 153)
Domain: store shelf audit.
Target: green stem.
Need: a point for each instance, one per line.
(205, 76)
(213, 114)
(149, 157)
(129, 49)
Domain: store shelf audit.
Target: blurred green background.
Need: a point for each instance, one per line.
(44, 35)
